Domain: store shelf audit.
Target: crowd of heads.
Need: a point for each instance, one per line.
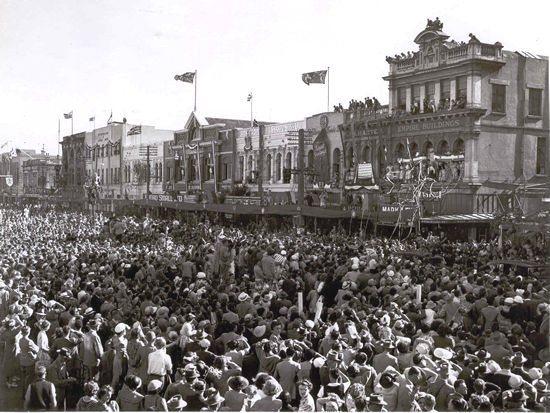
(185, 314)
(372, 105)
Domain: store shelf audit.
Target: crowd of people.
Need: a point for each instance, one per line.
(147, 314)
(372, 105)
(430, 106)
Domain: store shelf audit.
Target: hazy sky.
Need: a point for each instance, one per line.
(94, 56)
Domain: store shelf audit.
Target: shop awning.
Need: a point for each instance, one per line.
(458, 219)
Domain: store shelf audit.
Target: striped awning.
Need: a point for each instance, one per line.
(458, 219)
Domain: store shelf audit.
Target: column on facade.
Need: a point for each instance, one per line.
(471, 158)
(437, 93)
(392, 100)
(473, 90)
(281, 175)
(453, 89)
(408, 99)
(273, 165)
(422, 96)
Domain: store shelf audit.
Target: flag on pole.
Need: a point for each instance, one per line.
(92, 119)
(110, 118)
(68, 115)
(188, 77)
(249, 97)
(314, 77)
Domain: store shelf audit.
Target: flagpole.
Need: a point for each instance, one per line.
(72, 117)
(251, 116)
(58, 134)
(328, 88)
(195, 106)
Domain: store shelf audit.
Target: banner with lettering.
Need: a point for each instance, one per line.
(394, 212)
(321, 163)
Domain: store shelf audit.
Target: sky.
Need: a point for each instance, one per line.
(98, 56)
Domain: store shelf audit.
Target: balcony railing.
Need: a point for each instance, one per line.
(471, 50)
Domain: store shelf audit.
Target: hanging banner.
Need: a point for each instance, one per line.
(321, 163)
(9, 180)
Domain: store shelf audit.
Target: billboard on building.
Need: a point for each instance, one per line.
(321, 164)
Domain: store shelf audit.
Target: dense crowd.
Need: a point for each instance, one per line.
(149, 314)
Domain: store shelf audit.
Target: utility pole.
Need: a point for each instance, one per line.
(301, 167)
(261, 165)
(148, 172)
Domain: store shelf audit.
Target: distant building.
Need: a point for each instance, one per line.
(204, 154)
(41, 176)
(135, 143)
(73, 163)
(12, 164)
(103, 158)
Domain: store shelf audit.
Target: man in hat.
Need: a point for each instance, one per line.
(28, 355)
(58, 374)
(440, 387)
(40, 394)
(92, 351)
(245, 305)
(286, 372)
(385, 358)
(376, 403)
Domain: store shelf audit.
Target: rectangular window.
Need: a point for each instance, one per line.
(401, 98)
(499, 99)
(416, 93)
(461, 87)
(542, 151)
(535, 102)
(168, 174)
(445, 89)
(430, 91)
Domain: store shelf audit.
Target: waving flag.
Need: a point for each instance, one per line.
(249, 97)
(188, 77)
(314, 77)
(68, 115)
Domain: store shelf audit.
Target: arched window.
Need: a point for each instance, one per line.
(458, 147)
(414, 149)
(428, 146)
(310, 159)
(336, 163)
(442, 147)
(349, 157)
(365, 155)
(267, 170)
(278, 166)
(400, 151)
(288, 161)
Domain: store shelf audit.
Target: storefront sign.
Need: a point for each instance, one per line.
(243, 200)
(393, 212)
(431, 125)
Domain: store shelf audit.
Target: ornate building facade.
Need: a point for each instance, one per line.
(466, 114)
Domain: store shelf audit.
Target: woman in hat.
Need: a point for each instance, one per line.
(153, 401)
(331, 403)
(270, 403)
(86, 402)
(104, 402)
(235, 396)
(10, 364)
(128, 398)
(42, 342)
(307, 403)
